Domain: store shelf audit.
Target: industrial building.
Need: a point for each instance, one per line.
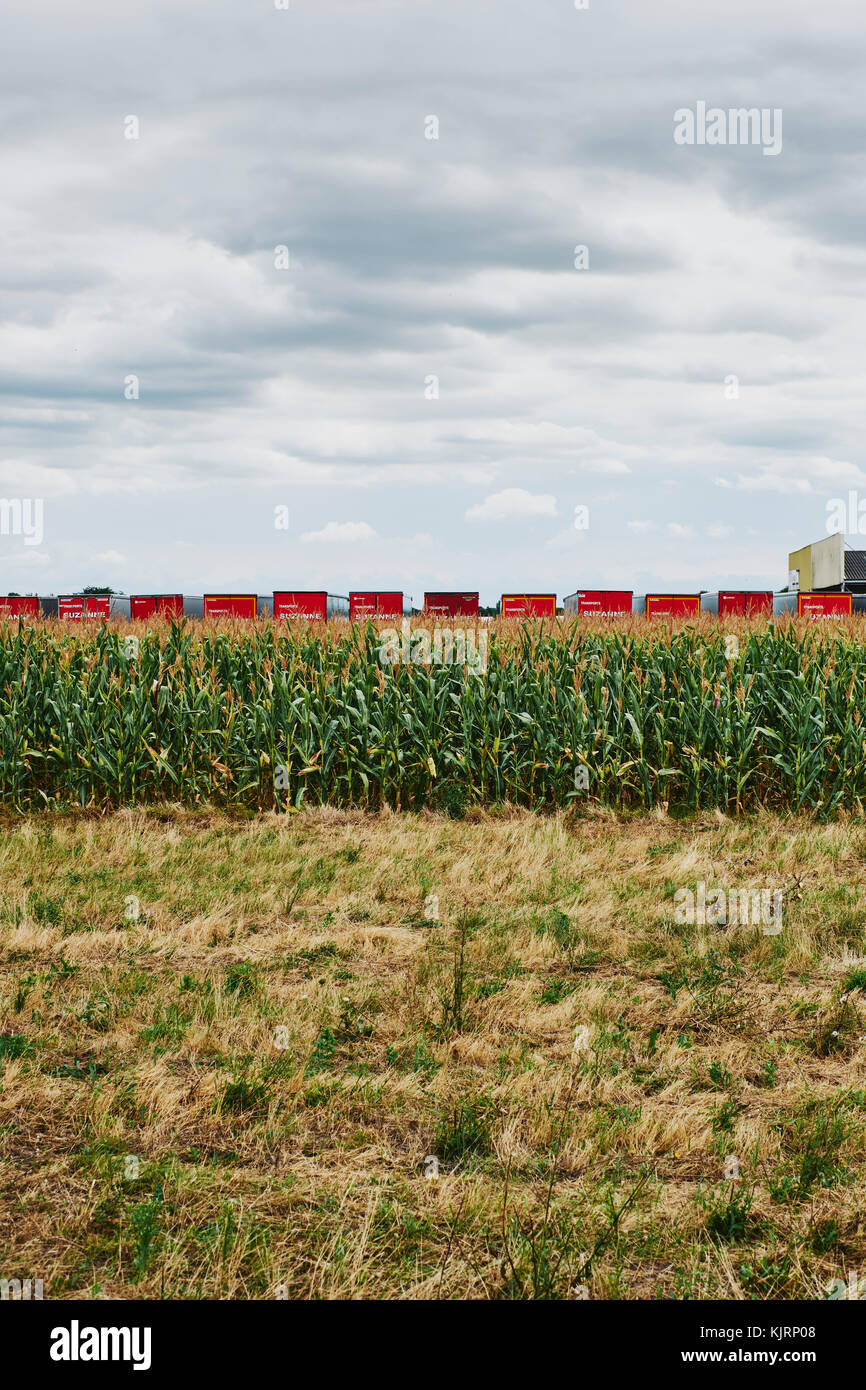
(826, 565)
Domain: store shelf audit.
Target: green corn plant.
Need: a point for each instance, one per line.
(631, 717)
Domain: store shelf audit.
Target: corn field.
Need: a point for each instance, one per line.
(563, 715)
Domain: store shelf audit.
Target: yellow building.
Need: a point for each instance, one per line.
(821, 565)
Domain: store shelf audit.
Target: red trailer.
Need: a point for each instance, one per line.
(528, 606)
(824, 605)
(156, 605)
(76, 608)
(307, 605)
(739, 603)
(451, 605)
(19, 606)
(230, 605)
(600, 603)
(673, 605)
(375, 605)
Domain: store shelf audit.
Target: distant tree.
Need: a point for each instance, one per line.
(97, 589)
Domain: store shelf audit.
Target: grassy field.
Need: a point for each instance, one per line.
(232, 1046)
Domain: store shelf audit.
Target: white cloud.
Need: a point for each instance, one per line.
(771, 482)
(570, 539)
(511, 503)
(26, 559)
(605, 465)
(641, 527)
(340, 533)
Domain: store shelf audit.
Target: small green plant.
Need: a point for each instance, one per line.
(823, 1237)
(453, 799)
(145, 1231)
(47, 911)
(768, 1076)
(813, 1140)
(464, 1129)
(13, 1045)
(97, 1012)
(419, 1060)
(169, 1025)
(558, 925)
(352, 1025)
(767, 1278)
(22, 989)
(673, 981)
(728, 1215)
(725, 1115)
(241, 979)
(446, 967)
(836, 1029)
(324, 1050)
(242, 1094)
(556, 989)
(719, 1076)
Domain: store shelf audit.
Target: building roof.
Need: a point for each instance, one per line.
(855, 565)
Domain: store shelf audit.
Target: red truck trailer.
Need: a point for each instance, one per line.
(19, 606)
(76, 608)
(744, 603)
(230, 605)
(673, 605)
(156, 605)
(375, 604)
(824, 605)
(306, 605)
(599, 603)
(528, 606)
(451, 605)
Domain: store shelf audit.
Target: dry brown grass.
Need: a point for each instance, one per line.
(292, 1161)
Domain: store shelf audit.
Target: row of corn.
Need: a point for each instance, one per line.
(267, 717)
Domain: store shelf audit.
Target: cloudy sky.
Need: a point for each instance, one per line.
(427, 375)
